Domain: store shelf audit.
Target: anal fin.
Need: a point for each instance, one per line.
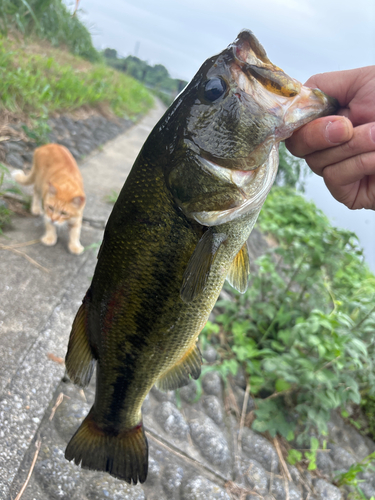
(179, 375)
(239, 271)
(122, 454)
(199, 265)
(79, 360)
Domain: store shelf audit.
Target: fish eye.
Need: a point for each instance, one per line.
(214, 89)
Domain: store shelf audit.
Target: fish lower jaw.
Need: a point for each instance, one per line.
(308, 105)
(239, 178)
(252, 200)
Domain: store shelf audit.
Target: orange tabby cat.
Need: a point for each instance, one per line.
(58, 192)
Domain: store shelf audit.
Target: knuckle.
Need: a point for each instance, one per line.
(361, 163)
(330, 176)
(348, 148)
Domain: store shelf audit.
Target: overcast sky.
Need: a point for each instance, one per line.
(301, 36)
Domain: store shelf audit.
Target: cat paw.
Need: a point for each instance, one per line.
(36, 210)
(49, 240)
(75, 248)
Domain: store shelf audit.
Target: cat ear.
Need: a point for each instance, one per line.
(51, 188)
(78, 201)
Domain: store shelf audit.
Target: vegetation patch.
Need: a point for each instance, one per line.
(155, 77)
(48, 20)
(304, 332)
(36, 85)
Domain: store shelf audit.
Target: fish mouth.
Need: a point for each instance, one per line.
(254, 185)
(309, 104)
(292, 103)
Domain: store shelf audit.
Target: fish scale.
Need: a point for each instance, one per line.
(177, 231)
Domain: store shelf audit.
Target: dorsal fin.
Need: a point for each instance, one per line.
(239, 270)
(179, 375)
(199, 265)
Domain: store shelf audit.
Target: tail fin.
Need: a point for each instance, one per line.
(79, 359)
(124, 455)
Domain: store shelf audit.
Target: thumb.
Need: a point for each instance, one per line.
(320, 134)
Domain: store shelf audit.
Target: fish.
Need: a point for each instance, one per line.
(178, 230)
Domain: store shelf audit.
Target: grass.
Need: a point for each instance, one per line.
(49, 20)
(37, 85)
(112, 197)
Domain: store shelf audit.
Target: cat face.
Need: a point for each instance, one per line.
(58, 209)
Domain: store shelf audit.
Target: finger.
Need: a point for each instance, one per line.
(360, 194)
(319, 135)
(342, 85)
(363, 141)
(351, 170)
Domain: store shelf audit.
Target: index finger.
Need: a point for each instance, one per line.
(342, 85)
(320, 134)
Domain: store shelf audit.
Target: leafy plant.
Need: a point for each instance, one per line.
(304, 331)
(350, 477)
(295, 456)
(292, 171)
(5, 213)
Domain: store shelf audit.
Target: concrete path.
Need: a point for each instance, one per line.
(39, 298)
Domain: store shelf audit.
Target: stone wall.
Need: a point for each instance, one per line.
(80, 136)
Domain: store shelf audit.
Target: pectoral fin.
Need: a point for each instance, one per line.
(239, 271)
(199, 265)
(179, 375)
(79, 360)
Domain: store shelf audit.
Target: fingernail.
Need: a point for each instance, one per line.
(372, 133)
(337, 131)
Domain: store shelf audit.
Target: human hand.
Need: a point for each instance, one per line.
(341, 148)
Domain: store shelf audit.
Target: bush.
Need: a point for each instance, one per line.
(304, 330)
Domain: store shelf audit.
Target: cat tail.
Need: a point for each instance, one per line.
(123, 455)
(80, 360)
(25, 179)
(22, 178)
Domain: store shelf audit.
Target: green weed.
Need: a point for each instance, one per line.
(40, 85)
(304, 332)
(37, 86)
(50, 20)
(112, 197)
(5, 213)
(350, 478)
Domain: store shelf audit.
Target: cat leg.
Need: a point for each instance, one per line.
(74, 244)
(50, 236)
(36, 204)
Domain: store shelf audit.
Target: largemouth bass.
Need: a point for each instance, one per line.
(179, 229)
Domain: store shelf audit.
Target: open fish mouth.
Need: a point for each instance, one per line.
(276, 92)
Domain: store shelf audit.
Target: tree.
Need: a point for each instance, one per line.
(110, 53)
